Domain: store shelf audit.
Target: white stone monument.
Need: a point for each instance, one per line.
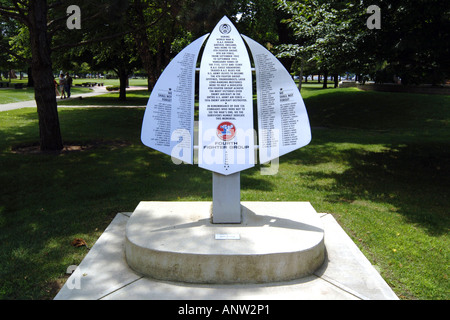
(226, 130)
(248, 242)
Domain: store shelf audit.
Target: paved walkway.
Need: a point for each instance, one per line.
(32, 103)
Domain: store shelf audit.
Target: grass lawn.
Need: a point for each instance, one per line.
(379, 162)
(134, 98)
(113, 82)
(12, 95)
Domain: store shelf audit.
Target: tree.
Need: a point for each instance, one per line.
(33, 15)
(413, 41)
(46, 21)
(152, 43)
(118, 55)
(181, 21)
(258, 20)
(166, 21)
(325, 32)
(11, 32)
(19, 50)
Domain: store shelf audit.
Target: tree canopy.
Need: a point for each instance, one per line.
(411, 43)
(329, 37)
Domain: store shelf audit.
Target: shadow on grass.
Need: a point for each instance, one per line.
(380, 111)
(412, 178)
(49, 200)
(52, 199)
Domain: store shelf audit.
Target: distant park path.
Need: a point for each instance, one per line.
(32, 103)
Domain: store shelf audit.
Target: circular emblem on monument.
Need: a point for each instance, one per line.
(225, 28)
(226, 131)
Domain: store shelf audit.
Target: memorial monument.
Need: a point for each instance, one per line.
(225, 241)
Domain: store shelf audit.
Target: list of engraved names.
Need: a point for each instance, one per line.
(225, 78)
(269, 101)
(173, 109)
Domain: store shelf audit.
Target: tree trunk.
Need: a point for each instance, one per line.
(44, 89)
(325, 79)
(301, 75)
(150, 82)
(336, 80)
(123, 77)
(143, 45)
(30, 78)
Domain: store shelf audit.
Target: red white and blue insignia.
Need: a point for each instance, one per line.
(226, 131)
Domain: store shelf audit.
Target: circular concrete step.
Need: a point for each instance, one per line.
(176, 241)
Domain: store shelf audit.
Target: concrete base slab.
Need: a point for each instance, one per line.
(105, 274)
(177, 241)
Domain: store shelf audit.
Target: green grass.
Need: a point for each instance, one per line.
(113, 82)
(12, 95)
(379, 162)
(134, 98)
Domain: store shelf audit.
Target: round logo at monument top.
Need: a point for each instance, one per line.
(226, 131)
(225, 28)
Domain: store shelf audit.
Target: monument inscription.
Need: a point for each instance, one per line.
(226, 135)
(226, 142)
(283, 124)
(168, 124)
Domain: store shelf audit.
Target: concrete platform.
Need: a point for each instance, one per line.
(177, 241)
(105, 274)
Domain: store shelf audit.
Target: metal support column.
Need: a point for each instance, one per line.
(226, 198)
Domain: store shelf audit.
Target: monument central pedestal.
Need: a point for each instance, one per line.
(177, 241)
